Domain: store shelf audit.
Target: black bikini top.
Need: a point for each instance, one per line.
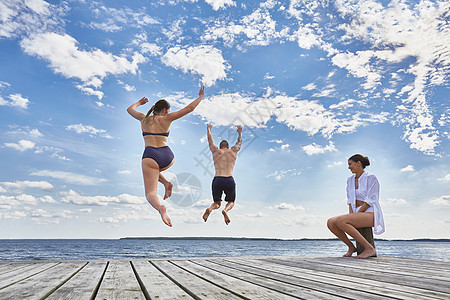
(151, 133)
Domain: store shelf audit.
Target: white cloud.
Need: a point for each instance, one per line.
(90, 91)
(129, 216)
(89, 129)
(151, 49)
(19, 17)
(287, 206)
(256, 215)
(21, 145)
(125, 172)
(309, 87)
(22, 185)
(118, 19)
(280, 174)
(445, 178)
(336, 164)
(175, 31)
(443, 200)
(65, 58)
(16, 100)
(276, 141)
(327, 91)
(13, 215)
(127, 87)
(308, 116)
(8, 202)
(75, 198)
(313, 148)
(267, 76)
(204, 60)
(258, 28)
(218, 4)
(396, 201)
(396, 31)
(25, 131)
(408, 168)
(52, 151)
(71, 177)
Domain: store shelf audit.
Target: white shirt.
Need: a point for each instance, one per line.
(369, 192)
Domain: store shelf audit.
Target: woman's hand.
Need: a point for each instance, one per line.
(201, 93)
(143, 101)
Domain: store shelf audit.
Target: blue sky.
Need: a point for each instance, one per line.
(312, 82)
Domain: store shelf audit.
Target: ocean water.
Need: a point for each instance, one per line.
(48, 249)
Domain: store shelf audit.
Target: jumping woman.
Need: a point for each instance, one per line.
(157, 155)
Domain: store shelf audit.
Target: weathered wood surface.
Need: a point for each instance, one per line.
(227, 278)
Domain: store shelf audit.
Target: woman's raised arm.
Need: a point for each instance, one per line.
(134, 113)
(189, 108)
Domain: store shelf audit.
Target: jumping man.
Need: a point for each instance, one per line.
(223, 182)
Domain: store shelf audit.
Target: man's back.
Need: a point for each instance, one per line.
(224, 161)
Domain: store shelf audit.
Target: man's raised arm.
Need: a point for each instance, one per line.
(238, 144)
(212, 146)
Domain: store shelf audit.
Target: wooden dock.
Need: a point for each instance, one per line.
(227, 278)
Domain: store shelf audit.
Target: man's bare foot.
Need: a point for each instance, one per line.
(226, 218)
(168, 190)
(206, 214)
(164, 216)
(350, 252)
(367, 253)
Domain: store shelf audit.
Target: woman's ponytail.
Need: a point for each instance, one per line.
(150, 111)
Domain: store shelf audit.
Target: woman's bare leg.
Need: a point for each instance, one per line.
(150, 170)
(167, 186)
(349, 223)
(341, 235)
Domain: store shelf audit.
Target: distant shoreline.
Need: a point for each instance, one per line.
(272, 239)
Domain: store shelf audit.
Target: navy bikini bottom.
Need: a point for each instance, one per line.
(162, 155)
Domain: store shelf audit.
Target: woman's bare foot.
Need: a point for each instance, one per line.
(168, 190)
(226, 218)
(367, 253)
(164, 216)
(206, 214)
(350, 252)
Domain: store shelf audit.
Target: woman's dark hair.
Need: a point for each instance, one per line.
(363, 159)
(158, 107)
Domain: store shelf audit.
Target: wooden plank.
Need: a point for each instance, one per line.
(193, 285)
(408, 262)
(22, 273)
(119, 282)
(392, 265)
(392, 270)
(39, 285)
(82, 285)
(156, 284)
(371, 287)
(310, 282)
(10, 267)
(283, 286)
(376, 275)
(243, 288)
